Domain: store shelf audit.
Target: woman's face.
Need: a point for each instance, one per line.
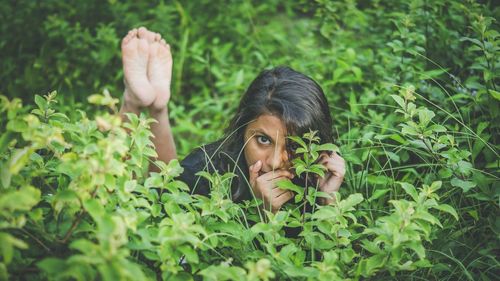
(265, 140)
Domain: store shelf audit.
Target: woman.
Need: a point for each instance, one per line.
(278, 103)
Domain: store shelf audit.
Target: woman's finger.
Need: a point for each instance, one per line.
(283, 198)
(276, 192)
(335, 166)
(253, 172)
(276, 174)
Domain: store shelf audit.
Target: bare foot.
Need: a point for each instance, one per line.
(135, 54)
(160, 72)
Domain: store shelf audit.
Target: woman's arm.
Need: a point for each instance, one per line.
(163, 138)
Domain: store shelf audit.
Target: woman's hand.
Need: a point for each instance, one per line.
(334, 176)
(265, 188)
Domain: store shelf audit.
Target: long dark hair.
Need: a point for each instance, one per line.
(292, 96)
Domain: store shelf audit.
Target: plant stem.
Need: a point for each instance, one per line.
(77, 220)
(36, 240)
(306, 190)
(73, 226)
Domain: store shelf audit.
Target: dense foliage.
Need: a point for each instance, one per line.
(413, 88)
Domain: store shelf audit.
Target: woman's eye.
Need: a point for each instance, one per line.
(293, 147)
(263, 140)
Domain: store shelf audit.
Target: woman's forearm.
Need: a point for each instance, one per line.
(163, 138)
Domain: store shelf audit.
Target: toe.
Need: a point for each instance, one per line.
(164, 51)
(157, 37)
(153, 49)
(129, 45)
(129, 36)
(146, 34)
(143, 46)
(142, 32)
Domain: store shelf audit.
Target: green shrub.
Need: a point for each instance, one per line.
(87, 210)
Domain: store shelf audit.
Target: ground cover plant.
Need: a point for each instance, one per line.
(413, 87)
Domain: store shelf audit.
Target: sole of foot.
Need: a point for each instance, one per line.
(135, 56)
(160, 72)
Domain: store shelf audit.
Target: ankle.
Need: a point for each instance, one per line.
(129, 107)
(158, 112)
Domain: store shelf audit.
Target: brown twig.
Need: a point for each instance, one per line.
(73, 226)
(76, 222)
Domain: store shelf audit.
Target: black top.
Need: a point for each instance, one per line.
(211, 158)
(214, 157)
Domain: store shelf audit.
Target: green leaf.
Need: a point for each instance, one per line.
(423, 215)
(65, 197)
(298, 140)
(425, 116)
(494, 94)
(371, 246)
(5, 175)
(174, 168)
(372, 264)
(448, 209)
(20, 200)
(438, 128)
(7, 245)
(327, 147)
(19, 159)
(410, 190)
(378, 180)
(418, 248)
(155, 180)
(473, 40)
(464, 167)
(41, 102)
(351, 201)
(52, 266)
(94, 208)
(430, 74)
(222, 273)
(378, 193)
(130, 185)
(327, 213)
(300, 271)
(445, 173)
(435, 186)
(288, 185)
(464, 185)
(399, 100)
(190, 253)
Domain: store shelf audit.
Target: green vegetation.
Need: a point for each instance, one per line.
(414, 92)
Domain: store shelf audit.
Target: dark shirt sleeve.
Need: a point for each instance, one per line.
(210, 158)
(192, 164)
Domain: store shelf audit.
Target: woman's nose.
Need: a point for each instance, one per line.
(279, 159)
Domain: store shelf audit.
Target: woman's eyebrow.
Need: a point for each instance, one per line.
(260, 131)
